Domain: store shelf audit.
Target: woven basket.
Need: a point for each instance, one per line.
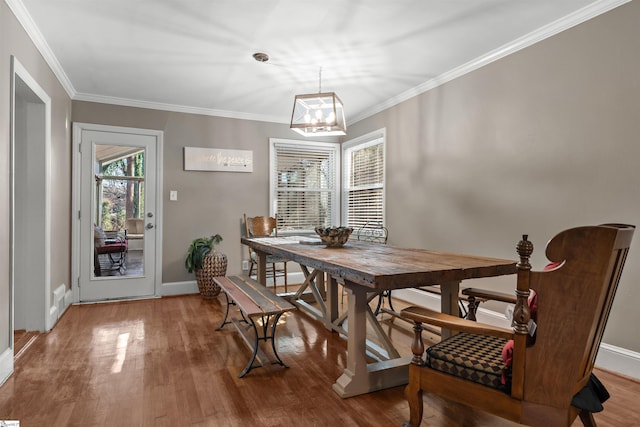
(214, 265)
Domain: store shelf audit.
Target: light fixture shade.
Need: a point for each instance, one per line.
(318, 114)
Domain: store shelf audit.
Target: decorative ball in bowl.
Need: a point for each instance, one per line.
(334, 237)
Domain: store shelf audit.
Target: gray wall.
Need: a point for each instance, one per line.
(542, 140)
(14, 41)
(545, 139)
(208, 202)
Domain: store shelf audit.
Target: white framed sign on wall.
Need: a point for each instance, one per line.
(217, 159)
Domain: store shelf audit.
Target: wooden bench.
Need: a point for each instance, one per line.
(257, 304)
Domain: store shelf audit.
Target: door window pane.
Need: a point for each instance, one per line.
(119, 233)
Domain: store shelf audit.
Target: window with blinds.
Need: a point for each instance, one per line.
(304, 180)
(363, 180)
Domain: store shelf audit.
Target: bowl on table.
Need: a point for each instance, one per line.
(334, 237)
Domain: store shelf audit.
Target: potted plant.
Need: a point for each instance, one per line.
(207, 264)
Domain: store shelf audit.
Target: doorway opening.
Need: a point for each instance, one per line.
(30, 240)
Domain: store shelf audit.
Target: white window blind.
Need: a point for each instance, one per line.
(363, 182)
(304, 184)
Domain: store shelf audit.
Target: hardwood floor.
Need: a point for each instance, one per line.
(22, 341)
(161, 362)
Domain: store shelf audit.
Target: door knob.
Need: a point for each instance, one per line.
(149, 226)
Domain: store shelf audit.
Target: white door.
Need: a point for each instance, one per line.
(118, 215)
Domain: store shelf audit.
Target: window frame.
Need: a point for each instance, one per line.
(372, 138)
(333, 148)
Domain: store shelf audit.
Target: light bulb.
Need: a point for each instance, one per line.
(307, 118)
(331, 118)
(318, 114)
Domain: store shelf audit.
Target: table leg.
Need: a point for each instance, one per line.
(262, 268)
(332, 302)
(355, 380)
(315, 282)
(449, 302)
(360, 377)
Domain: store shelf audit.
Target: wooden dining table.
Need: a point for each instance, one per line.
(365, 270)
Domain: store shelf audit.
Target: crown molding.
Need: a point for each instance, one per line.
(578, 17)
(586, 13)
(24, 18)
(175, 108)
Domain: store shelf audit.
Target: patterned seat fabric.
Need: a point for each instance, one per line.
(475, 358)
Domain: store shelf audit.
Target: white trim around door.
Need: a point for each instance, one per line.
(78, 211)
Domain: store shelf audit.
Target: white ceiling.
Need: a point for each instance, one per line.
(196, 55)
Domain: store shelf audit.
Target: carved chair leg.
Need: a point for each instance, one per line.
(413, 394)
(587, 418)
(413, 391)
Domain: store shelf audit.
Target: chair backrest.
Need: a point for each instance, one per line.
(574, 301)
(260, 226)
(372, 232)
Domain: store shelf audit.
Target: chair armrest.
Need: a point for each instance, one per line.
(432, 317)
(489, 295)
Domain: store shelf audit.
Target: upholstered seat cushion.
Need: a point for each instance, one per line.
(110, 248)
(476, 358)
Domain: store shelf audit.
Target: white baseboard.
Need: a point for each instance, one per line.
(6, 365)
(620, 360)
(191, 286)
(68, 300)
(611, 358)
(179, 288)
(55, 309)
(52, 318)
(62, 299)
(296, 277)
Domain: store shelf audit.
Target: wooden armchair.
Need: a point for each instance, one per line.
(263, 226)
(541, 374)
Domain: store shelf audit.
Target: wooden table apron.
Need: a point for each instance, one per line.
(366, 269)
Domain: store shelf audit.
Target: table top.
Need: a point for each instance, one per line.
(384, 267)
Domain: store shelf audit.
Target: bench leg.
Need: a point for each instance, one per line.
(226, 314)
(269, 324)
(273, 339)
(254, 354)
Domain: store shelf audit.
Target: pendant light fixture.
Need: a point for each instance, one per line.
(318, 114)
